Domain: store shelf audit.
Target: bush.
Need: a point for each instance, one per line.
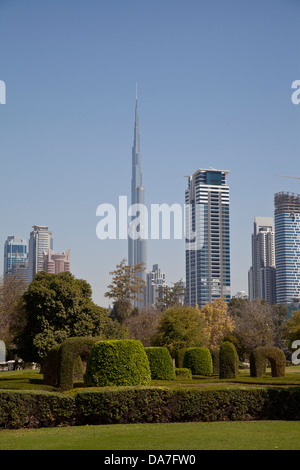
(183, 372)
(259, 357)
(69, 352)
(50, 367)
(117, 362)
(216, 361)
(228, 361)
(179, 356)
(20, 409)
(161, 364)
(199, 360)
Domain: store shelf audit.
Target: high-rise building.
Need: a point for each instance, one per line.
(207, 246)
(40, 240)
(287, 246)
(262, 274)
(155, 282)
(15, 254)
(55, 263)
(137, 248)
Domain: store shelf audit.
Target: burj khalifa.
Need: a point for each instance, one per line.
(137, 243)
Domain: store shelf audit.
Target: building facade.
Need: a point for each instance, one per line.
(207, 231)
(155, 282)
(287, 247)
(262, 274)
(40, 240)
(137, 244)
(15, 255)
(55, 263)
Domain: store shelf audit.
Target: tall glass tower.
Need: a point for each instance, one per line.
(137, 245)
(40, 240)
(15, 254)
(287, 246)
(207, 245)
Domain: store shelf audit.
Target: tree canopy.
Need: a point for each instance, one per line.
(127, 283)
(58, 306)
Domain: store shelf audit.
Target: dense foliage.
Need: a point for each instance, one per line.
(58, 306)
(199, 361)
(117, 362)
(228, 361)
(19, 409)
(161, 364)
(259, 357)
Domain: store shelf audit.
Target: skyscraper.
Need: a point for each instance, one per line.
(15, 254)
(40, 241)
(261, 275)
(287, 246)
(137, 248)
(155, 282)
(207, 246)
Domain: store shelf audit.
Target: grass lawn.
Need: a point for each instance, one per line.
(246, 435)
(255, 435)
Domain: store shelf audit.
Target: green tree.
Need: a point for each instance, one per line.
(58, 306)
(292, 328)
(180, 327)
(127, 283)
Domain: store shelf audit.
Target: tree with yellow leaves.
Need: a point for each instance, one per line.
(217, 321)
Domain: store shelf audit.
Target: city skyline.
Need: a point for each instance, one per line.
(212, 93)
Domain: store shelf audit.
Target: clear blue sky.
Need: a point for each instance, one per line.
(214, 84)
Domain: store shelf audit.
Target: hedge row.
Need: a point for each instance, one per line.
(29, 409)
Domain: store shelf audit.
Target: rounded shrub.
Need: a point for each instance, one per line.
(117, 362)
(161, 364)
(228, 361)
(199, 360)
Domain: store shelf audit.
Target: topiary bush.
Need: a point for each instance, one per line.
(183, 373)
(199, 360)
(259, 357)
(68, 354)
(215, 353)
(161, 364)
(228, 361)
(50, 367)
(117, 362)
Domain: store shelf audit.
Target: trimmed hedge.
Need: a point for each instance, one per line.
(199, 361)
(30, 409)
(228, 361)
(161, 364)
(117, 362)
(259, 357)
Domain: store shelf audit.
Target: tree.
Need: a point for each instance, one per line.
(292, 328)
(11, 309)
(180, 327)
(254, 325)
(143, 325)
(171, 296)
(217, 321)
(127, 283)
(58, 306)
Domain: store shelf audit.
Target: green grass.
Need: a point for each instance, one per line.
(256, 435)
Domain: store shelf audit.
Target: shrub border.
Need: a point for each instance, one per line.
(29, 409)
